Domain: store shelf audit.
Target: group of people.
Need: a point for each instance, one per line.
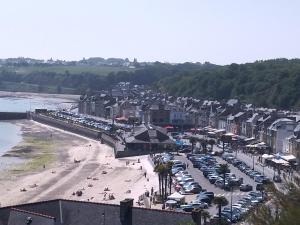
(110, 196)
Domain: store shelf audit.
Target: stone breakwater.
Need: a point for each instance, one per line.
(13, 115)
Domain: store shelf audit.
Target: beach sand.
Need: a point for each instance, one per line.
(9, 94)
(95, 169)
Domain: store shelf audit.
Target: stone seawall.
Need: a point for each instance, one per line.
(105, 138)
(67, 126)
(13, 115)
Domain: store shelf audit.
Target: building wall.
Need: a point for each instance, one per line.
(281, 134)
(222, 124)
(160, 117)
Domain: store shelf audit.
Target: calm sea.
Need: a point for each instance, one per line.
(10, 134)
(8, 104)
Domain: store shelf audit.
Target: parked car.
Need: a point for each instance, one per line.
(246, 187)
(187, 208)
(194, 189)
(200, 205)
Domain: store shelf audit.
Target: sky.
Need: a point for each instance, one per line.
(216, 31)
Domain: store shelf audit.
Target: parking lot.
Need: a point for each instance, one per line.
(200, 178)
(205, 184)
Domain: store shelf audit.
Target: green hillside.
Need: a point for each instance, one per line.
(271, 83)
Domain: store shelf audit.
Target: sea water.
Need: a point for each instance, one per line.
(10, 136)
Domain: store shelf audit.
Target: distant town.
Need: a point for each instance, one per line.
(277, 131)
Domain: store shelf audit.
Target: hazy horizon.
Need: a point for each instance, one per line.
(166, 31)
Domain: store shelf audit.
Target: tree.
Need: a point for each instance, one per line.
(211, 142)
(224, 168)
(193, 142)
(197, 216)
(220, 201)
(164, 173)
(159, 168)
(225, 139)
(204, 145)
(169, 170)
(205, 216)
(282, 209)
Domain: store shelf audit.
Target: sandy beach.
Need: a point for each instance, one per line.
(38, 95)
(50, 171)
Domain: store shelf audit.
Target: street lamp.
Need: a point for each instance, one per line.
(231, 204)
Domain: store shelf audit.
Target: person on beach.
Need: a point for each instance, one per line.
(145, 174)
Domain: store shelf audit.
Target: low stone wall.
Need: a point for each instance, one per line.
(128, 153)
(13, 115)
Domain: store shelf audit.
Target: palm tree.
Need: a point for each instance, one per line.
(204, 145)
(224, 168)
(165, 177)
(159, 168)
(220, 201)
(169, 170)
(205, 215)
(193, 142)
(211, 142)
(225, 139)
(197, 216)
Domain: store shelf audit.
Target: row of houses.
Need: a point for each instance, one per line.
(277, 128)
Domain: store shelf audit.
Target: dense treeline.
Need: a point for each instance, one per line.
(271, 83)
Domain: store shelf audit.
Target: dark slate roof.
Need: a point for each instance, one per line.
(70, 212)
(150, 134)
(19, 216)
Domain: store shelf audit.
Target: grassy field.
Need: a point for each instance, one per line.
(100, 70)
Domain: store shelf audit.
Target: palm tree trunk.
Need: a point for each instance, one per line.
(162, 188)
(200, 218)
(170, 184)
(220, 210)
(193, 147)
(224, 180)
(160, 185)
(223, 146)
(166, 186)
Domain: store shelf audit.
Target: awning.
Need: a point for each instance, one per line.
(171, 202)
(176, 197)
(288, 157)
(169, 127)
(250, 139)
(266, 156)
(123, 118)
(279, 161)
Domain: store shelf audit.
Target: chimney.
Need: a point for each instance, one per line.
(196, 216)
(126, 211)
